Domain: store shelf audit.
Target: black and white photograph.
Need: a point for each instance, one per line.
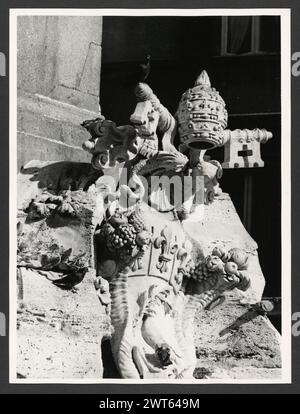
(150, 196)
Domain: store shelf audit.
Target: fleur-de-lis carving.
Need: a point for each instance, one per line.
(185, 267)
(168, 245)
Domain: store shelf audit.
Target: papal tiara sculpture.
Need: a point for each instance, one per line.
(202, 116)
(202, 121)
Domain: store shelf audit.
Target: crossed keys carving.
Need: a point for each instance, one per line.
(168, 244)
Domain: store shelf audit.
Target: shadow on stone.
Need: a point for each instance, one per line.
(64, 175)
(242, 320)
(57, 221)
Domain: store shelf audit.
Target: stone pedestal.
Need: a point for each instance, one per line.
(59, 61)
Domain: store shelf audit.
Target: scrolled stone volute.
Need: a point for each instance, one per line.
(202, 116)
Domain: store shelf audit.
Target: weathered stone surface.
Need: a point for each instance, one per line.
(232, 339)
(42, 148)
(58, 86)
(49, 130)
(52, 66)
(59, 330)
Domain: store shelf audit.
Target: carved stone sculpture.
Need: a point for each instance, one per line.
(202, 118)
(109, 144)
(153, 325)
(157, 282)
(242, 148)
(152, 276)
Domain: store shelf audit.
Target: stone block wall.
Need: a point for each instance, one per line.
(59, 63)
